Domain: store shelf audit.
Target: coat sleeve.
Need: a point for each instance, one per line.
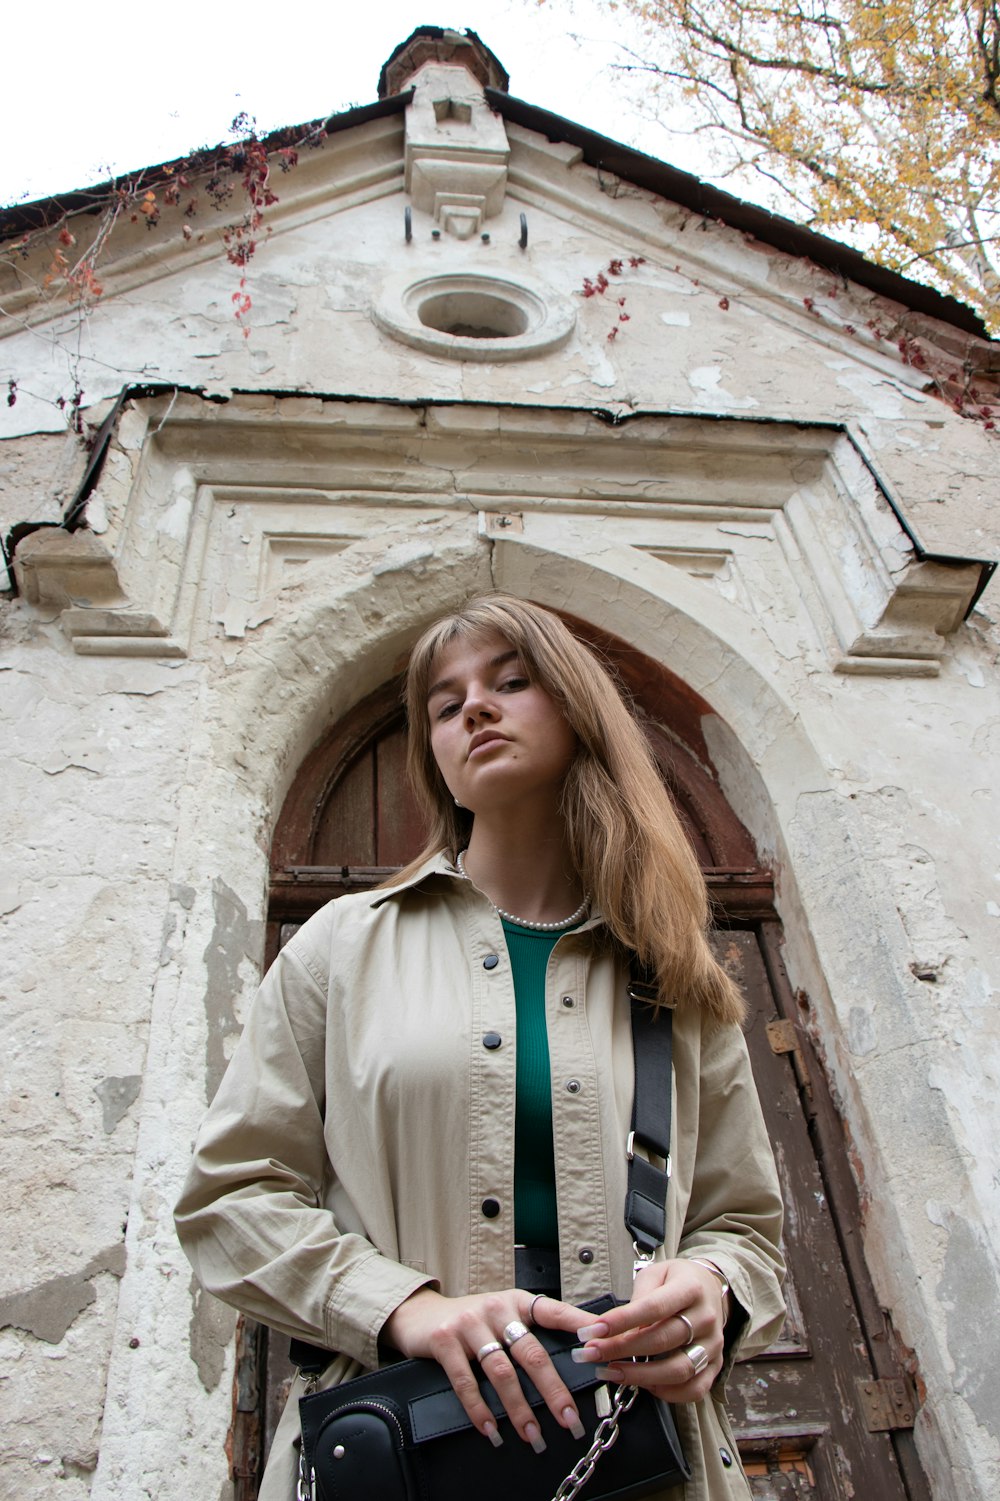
(734, 1215)
(253, 1217)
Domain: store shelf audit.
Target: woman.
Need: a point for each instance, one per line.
(379, 1146)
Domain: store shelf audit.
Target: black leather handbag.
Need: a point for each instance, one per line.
(401, 1434)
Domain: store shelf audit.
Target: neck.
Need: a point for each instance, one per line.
(526, 871)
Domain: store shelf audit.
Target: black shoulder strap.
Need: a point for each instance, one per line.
(652, 1048)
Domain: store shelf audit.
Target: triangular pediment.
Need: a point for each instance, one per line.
(452, 244)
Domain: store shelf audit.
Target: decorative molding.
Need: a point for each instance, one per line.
(456, 151)
(74, 572)
(469, 316)
(209, 510)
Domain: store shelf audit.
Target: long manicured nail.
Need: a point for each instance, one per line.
(592, 1331)
(490, 1430)
(607, 1373)
(533, 1434)
(585, 1355)
(572, 1420)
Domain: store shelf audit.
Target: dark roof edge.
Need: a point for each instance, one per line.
(598, 151)
(23, 218)
(393, 104)
(701, 198)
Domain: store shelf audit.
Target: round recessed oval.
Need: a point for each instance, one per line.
(469, 316)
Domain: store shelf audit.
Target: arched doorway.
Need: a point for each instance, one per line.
(825, 1413)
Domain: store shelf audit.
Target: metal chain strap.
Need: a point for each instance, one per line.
(605, 1435)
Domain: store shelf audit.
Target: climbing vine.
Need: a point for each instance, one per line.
(74, 232)
(598, 285)
(972, 394)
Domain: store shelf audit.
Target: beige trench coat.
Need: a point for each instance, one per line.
(362, 1130)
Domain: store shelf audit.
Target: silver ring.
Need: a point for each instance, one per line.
(698, 1356)
(490, 1348)
(531, 1309)
(688, 1326)
(514, 1331)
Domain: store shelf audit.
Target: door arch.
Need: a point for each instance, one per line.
(812, 1416)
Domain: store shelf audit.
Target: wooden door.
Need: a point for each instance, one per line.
(808, 1413)
(825, 1413)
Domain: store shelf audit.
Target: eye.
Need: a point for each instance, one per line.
(447, 711)
(515, 684)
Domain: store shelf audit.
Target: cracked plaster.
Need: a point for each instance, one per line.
(141, 795)
(225, 757)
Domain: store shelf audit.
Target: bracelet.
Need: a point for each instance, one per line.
(716, 1271)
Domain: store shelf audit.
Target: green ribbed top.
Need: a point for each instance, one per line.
(535, 1220)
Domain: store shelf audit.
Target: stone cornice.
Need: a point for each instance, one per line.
(301, 479)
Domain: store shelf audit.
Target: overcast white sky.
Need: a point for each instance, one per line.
(88, 93)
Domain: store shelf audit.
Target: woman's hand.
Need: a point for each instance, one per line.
(649, 1329)
(453, 1330)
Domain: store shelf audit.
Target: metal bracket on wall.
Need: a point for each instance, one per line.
(500, 523)
(783, 1038)
(888, 1404)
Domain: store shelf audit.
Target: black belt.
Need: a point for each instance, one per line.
(536, 1269)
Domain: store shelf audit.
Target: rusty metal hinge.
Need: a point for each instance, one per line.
(783, 1038)
(888, 1404)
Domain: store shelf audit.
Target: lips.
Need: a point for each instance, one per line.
(485, 737)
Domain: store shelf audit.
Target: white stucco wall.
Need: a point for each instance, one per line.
(856, 723)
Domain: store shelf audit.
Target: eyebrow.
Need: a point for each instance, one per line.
(445, 685)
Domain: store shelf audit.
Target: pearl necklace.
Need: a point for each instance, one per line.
(524, 922)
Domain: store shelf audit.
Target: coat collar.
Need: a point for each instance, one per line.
(442, 864)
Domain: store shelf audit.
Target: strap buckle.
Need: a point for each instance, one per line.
(641, 1259)
(630, 1153)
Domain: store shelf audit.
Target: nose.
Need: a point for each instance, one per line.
(478, 706)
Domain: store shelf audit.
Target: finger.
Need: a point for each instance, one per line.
(673, 1379)
(455, 1346)
(652, 1307)
(457, 1368)
(498, 1367)
(651, 1339)
(535, 1361)
(553, 1313)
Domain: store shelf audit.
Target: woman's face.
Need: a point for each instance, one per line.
(497, 737)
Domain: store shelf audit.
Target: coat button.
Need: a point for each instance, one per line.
(569, 1002)
(573, 1086)
(491, 1040)
(491, 1208)
(727, 1458)
(491, 961)
(586, 1255)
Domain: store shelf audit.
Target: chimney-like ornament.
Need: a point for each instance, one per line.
(439, 44)
(456, 147)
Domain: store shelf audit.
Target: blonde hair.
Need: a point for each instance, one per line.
(627, 842)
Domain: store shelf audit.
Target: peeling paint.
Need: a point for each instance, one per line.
(862, 1037)
(117, 1094)
(968, 1291)
(868, 796)
(209, 1335)
(234, 938)
(707, 380)
(50, 1309)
